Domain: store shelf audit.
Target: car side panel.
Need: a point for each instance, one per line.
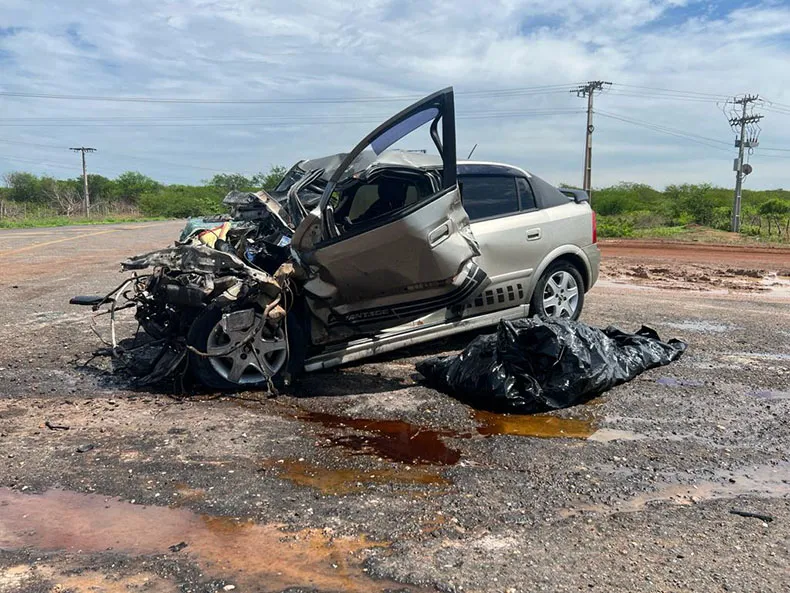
(567, 229)
(516, 249)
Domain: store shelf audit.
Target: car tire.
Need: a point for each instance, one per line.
(554, 294)
(213, 372)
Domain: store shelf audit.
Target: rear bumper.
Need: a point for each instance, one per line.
(594, 258)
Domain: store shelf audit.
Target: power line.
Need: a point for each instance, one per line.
(275, 123)
(677, 91)
(660, 97)
(118, 154)
(519, 91)
(341, 118)
(666, 130)
(36, 162)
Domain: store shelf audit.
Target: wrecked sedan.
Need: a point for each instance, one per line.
(389, 255)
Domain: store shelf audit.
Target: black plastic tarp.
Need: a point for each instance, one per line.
(533, 365)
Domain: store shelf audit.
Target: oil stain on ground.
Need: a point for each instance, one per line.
(341, 481)
(537, 425)
(395, 440)
(260, 557)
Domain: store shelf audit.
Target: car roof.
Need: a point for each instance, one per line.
(488, 168)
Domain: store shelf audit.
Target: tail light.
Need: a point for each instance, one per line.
(594, 227)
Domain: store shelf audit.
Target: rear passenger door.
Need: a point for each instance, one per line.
(511, 232)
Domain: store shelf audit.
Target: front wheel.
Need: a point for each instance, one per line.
(559, 292)
(234, 361)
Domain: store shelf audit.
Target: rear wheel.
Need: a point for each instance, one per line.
(559, 292)
(236, 361)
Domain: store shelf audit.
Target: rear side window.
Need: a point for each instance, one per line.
(525, 194)
(488, 196)
(548, 195)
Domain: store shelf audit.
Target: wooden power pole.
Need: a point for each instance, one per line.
(587, 90)
(83, 150)
(739, 123)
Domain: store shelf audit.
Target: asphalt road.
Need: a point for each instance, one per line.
(364, 480)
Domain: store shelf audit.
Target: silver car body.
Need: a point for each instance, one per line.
(515, 251)
(388, 256)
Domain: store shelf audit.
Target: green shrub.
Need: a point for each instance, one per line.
(614, 226)
(181, 201)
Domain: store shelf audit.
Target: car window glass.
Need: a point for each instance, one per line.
(548, 195)
(402, 129)
(489, 195)
(363, 199)
(383, 196)
(525, 193)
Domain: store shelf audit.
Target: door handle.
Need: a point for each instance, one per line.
(533, 234)
(439, 235)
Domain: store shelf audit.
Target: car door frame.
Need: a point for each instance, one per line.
(444, 101)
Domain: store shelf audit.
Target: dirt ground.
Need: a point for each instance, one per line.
(365, 480)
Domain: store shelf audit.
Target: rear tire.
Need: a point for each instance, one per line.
(559, 292)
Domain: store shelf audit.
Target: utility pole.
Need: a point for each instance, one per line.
(83, 150)
(741, 170)
(588, 90)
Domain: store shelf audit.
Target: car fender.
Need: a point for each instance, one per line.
(553, 256)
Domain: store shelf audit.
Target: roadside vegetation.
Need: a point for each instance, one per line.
(28, 200)
(624, 210)
(640, 211)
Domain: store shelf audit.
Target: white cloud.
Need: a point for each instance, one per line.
(309, 49)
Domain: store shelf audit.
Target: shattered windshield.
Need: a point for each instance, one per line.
(292, 176)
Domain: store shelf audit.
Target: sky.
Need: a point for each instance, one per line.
(306, 78)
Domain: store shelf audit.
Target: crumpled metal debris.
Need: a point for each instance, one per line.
(534, 365)
(221, 268)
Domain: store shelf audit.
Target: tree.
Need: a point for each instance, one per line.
(129, 186)
(230, 181)
(63, 195)
(774, 211)
(697, 202)
(269, 181)
(24, 187)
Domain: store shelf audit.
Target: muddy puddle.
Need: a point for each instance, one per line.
(699, 277)
(537, 425)
(259, 557)
(762, 481)
(341, 481)
(395, 440)
(675, 382)
(420, 452)
(769, 394)
(701, 326)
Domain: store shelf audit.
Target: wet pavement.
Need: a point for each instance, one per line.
(365, 480)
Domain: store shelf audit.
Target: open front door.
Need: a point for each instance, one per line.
(390, 240)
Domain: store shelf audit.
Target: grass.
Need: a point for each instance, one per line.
(53, 221)
(693, 232)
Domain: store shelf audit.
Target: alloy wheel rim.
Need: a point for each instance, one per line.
(561, 295)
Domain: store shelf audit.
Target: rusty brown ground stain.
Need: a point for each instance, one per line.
(24, 577)
(395, 440)
(537, 425)
(340, 481)
(260, 556)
